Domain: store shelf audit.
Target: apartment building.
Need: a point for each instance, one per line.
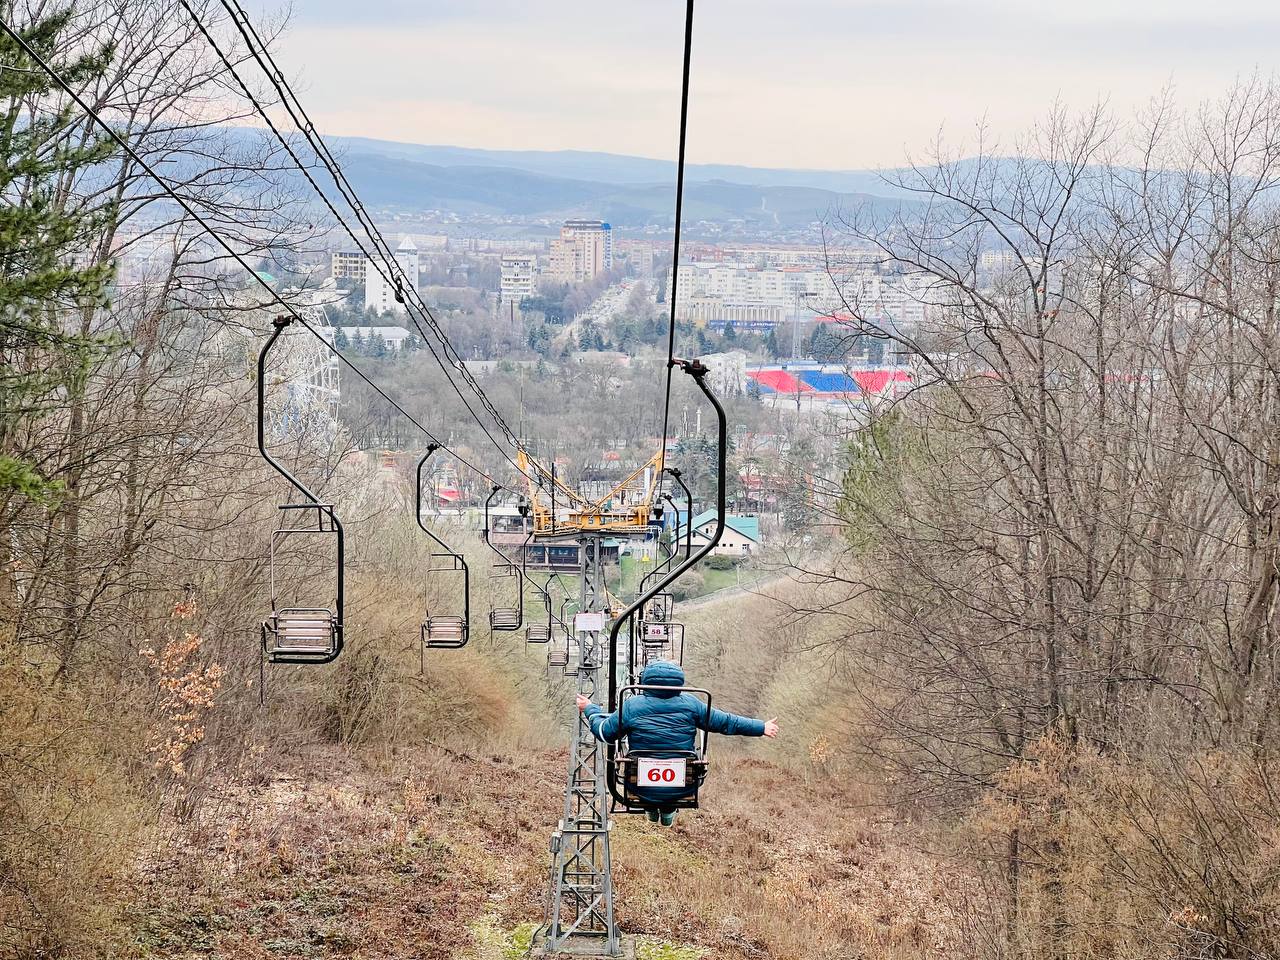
(583, 250)
(757, 297)
(519, 277)
(379, 292)
(347, 265)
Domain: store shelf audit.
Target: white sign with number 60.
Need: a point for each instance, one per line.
(660, 773)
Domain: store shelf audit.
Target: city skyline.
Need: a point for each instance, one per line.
(820, 84)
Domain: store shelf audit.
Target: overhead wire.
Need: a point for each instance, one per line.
(189, 208)
(675, 254)
(407, 293)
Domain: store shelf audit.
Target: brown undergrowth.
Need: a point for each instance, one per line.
(333, 856)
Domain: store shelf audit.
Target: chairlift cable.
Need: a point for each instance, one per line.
(412, 300)
(190, 210)
(675, 254)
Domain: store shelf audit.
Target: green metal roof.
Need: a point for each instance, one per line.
(748, 527)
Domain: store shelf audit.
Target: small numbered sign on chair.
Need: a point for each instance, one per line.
(660, 773)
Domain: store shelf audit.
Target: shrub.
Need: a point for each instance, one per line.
(70, 820)
(688, 586)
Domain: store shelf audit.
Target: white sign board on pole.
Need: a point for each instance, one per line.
(588, 622)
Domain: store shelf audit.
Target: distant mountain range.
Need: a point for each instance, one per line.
(627, 191)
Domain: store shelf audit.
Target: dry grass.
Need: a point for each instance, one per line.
(70, 816)
(336, 856)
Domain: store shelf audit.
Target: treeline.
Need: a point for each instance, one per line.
(1061, 586)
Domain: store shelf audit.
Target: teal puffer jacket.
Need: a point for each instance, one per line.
(666, 720)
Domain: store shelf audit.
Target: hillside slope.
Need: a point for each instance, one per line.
(439, 852)
(444, 856)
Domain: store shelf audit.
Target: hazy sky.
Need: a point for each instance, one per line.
(798, 83)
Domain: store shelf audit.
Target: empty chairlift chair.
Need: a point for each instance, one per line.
(293, 632)
(504, 578)
(444, 631)
(298, 634)
(669, 779)
(541, 632)
(558, 651)
(661, 637)
(506, 581)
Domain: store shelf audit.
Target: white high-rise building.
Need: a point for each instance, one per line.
(519, 277)
(379, 294)
(585, 248)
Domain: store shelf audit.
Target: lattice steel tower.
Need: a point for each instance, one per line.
(580, 909)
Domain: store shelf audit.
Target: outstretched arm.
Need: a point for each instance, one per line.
(732, 725)
(604, 726)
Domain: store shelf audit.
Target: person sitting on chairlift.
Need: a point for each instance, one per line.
(667, 720)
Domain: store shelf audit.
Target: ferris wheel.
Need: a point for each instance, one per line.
(303, 382)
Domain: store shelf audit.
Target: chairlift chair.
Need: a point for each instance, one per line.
(294, 633)
(633, 773)
(541, 632)
(661, 641)
(659, 608)
(447, 631)
(506, 619)
(662, 779)
(573, 655)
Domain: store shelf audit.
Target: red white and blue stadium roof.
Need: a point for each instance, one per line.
(828, 381)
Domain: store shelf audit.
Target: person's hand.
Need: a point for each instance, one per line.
(583, 702)
(771, 728)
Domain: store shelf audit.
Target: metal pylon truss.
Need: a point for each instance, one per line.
(580, 912)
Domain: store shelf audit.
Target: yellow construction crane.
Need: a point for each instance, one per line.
(625, 509)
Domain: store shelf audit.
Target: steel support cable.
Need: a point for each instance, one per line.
(300, 118)
(188, 206)
(675, 253)
(383, 249)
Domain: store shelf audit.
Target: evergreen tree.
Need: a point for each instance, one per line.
(340, 340)
(730, 335)
(771, 345)
(45, 298)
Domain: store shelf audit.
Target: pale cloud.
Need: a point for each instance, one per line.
(813, 83)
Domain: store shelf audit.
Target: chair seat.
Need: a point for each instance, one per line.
(504, 619)
(309, 632)
(445, 628)
(537, 633)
